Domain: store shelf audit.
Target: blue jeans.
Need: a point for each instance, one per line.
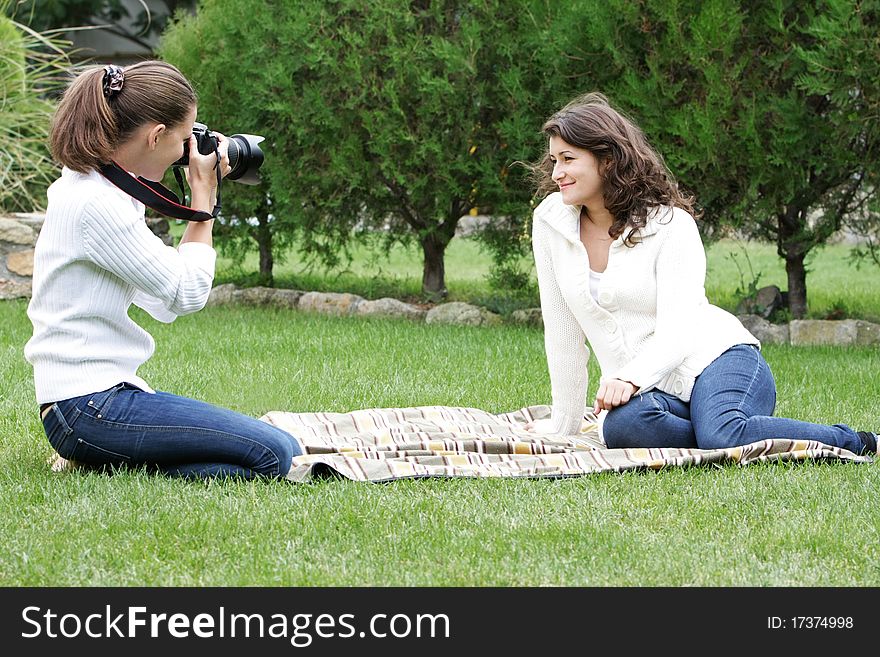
(174, 435)
(731, 404)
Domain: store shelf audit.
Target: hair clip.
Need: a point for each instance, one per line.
(113, 79)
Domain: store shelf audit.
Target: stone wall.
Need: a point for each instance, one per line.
(18, 235)
(844, 332)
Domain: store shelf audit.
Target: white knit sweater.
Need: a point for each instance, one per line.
(95, 256)
(652, 324)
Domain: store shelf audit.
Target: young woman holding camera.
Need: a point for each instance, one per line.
(620, 264)
(95, 257)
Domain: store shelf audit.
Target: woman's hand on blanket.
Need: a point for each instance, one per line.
(540, 426)
(611, 393)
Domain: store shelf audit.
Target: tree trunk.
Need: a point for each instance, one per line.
(434, 271)
(264, 241)
(793, 245)
(797, 285)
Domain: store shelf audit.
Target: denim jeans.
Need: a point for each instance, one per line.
(731, 404)
(175, 435)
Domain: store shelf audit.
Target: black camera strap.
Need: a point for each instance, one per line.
(156, 196)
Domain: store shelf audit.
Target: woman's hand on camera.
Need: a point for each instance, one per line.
(201, 173)
(223, 147)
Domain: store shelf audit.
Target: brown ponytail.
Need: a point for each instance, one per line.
(88, 126)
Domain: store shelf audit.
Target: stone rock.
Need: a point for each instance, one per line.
(770, 298)
(161, 228)
(822, 332)
(254, 296)
(33, 219)
(834, 332)
(14, 289)
(222, 294)
(388, 307)
(867, 332)
(530, 316)
(766, 332)
(284, 298)
(767, 301)
(21, 262)
(12, 230)
(457, 312)
(331, 303)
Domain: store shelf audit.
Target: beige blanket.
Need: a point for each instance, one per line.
(442, 441)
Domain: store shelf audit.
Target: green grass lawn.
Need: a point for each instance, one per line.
(805, 524)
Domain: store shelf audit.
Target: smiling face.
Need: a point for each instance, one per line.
(576, 172)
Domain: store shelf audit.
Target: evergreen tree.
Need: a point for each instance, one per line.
(766, 110)
(395, 115)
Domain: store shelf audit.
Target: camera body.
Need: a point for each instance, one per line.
(245, 154)
(204, 138)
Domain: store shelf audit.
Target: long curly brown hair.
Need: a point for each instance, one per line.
(635, 178)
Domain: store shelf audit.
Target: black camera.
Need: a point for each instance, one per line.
(245, 155)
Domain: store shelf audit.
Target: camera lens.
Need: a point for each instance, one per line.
(245, 154)
(245, 158)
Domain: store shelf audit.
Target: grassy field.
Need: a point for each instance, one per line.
(806, 524)
(835, 285)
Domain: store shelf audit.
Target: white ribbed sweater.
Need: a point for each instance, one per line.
(652, 324)
(95, 256)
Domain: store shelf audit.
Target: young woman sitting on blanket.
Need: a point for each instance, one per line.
(95, 257)
(620, 264)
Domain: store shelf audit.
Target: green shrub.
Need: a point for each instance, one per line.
(389, 117)
(31, 65)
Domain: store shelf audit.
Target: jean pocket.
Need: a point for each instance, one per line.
(59, 429)
(99, 403)
(89, 452)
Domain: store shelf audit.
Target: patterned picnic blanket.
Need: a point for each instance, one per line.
(385, 444)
